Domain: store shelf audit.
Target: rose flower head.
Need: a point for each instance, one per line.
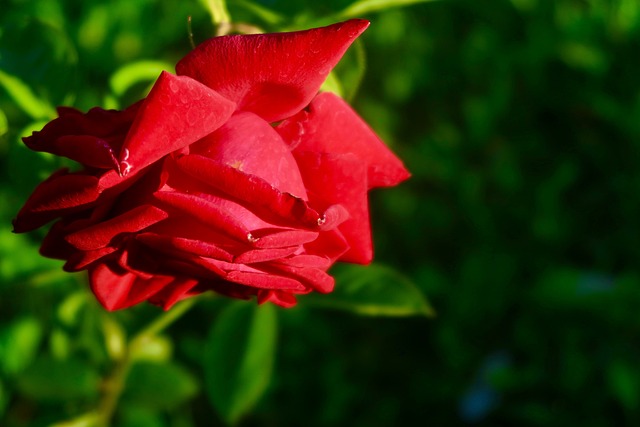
(234, 175)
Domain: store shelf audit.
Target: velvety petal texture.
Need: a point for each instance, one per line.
(271, 75)
(234, 176)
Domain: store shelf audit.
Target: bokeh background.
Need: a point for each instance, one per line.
(520, 121)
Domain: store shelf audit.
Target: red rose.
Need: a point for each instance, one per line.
(233, 175)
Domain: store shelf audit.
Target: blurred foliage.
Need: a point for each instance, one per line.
(520, 121)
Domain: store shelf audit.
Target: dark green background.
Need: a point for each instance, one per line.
(520, 121)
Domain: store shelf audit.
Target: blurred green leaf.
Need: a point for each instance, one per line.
(19, 342)
(623, 382)
(85, 420)
(53, 380)
(363, 7)
(39, 66)
(24, 97)
(159, 385)
(239, 357)
(267, 15)
(4, 399)
(4, 124)
(136, 72)
(373, 290)
(134, 416)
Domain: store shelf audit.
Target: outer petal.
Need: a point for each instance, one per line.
(177, 112)
(331, 126)
(116, 288)
(341, 179)
(272, 75)
(61, 193)
(92, 139)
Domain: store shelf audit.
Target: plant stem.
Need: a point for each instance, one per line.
(114, 385)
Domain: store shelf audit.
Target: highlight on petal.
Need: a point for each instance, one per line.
(271, 75)
(177, 112)
(331, 126)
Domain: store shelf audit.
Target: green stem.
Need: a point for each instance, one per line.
(114, 386)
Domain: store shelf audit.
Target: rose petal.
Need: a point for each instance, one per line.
(91, 139)
(195, 247)
(331, 126)
(341, 179)
(102, 234)
(207, 212)
(263, 198)
(177, 112)
(263, 255)
(62, 193)
(174, 292)
(116, 288)
(281, 298)
(272, 75)
(248, 143)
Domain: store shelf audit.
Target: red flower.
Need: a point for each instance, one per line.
(195, 188)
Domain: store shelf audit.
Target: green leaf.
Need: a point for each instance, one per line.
(4, 123)
(135, 416)
(363, 7)
(19, 342)
(623, 381)
(136, 72)
(373, 290)
(53, 380)
(267, 15)
(39, 66)
(24, 97)
(4, 399)
(239, 357)
(159, 385)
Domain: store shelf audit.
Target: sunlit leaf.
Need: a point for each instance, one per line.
(373, 290)
(4, 124)
(159, 385)
(363, 7)
(136, 72)
(267, 15)
(19, 343)
(39, 66)
(24, 97)
(55, 380)
(239, 357)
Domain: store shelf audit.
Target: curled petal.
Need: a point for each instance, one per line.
(271, 75)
